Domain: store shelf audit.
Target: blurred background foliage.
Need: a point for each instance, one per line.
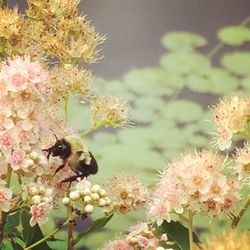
(168, 99)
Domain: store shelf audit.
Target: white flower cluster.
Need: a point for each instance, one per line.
(40, 199)
(85, 196)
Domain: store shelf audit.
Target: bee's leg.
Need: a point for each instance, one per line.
(59, 168)
(49, 150)
(73, 178)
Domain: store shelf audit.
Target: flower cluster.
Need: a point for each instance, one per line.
(230, 241)
(23, 90)
(51, 29)
(140, 236)
(242, 163)
(127, 193)
(196, 182)
(230, 117)
(68, 79)
(40, 200)
(5, 198)
(85, 196)
(108, 111)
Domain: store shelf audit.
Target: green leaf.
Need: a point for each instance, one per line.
(153, 81)
(245, 83)
(182, 41)
(12, 221)
(237, 62)
(32, 234)
(16, 246)
(28, 231)
(234, 35)
(183, 111)
(216, 81)
(185, 62)
(178, 233)
(96, 225)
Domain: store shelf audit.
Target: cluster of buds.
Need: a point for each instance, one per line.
(85, 196)
(40, 200)
(141, 236)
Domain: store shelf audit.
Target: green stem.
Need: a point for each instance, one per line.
(190, 230)
(70, 229)
(220, 45)
(66, 99)
(47, 236)
(237, 219)
(84, 133)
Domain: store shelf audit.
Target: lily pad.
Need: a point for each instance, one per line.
(234, 35)
(183, 41)
(153, 82)
(182, 110)
(216, 81)
(185, 62)
(237, 62)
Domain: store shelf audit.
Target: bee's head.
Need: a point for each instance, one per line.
(61, 148)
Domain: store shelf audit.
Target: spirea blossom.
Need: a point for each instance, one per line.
(230, 117)
(68, 79)
(40, 199)
(127, 193)
(230, 241)
(5, 198)
(242, 163)
(194, 181)
(139, 237)
(108, 111)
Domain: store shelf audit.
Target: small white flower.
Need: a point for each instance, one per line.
(89, 209)
(66, 201)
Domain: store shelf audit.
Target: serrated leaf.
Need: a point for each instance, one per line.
(178, 233)
(185, 62)
(237, 62)
(234, 35)
(183, 41)
(95, 226)
(12, 221)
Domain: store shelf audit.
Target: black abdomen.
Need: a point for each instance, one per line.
(86, 169)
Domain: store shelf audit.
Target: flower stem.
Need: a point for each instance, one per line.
(237, 219)
(66, 100)
(190, 230)
(90, 130)
(70, 230)
(47, 236)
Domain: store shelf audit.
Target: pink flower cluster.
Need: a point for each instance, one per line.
(22, 85)
(195, 182)
(140, 237)
(22, 74)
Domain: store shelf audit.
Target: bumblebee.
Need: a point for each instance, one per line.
(73, 152)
